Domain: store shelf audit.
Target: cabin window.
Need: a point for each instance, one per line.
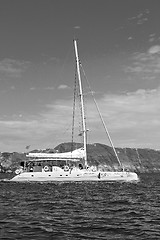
(22, 164)
(80, 166)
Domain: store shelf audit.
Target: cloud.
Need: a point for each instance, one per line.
(125, 114)
(134, 115)
(130, 38)
(145, 63)
(63, 86)
(152, 37)
(12, 67)
(49, 88)
(154, 49)
(46, 129)
(77, 27)
(46, 88)
(139, 102)
(140, 18)
(132, 119)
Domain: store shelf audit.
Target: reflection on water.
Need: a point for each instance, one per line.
(91, 210)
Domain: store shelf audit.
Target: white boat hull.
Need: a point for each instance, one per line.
(78, 175)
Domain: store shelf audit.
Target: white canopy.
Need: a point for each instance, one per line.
(76, 154)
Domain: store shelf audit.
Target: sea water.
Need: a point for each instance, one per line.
(82, 210)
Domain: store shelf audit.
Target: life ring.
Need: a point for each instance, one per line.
(66, 168)
(18, 171)
(46, 168)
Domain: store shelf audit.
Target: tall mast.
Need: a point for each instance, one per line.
(82, 103)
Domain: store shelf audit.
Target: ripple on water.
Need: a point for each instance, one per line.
(81, 210)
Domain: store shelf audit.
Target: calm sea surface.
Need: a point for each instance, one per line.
(96, 210)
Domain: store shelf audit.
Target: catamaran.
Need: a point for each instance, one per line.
(72, 165)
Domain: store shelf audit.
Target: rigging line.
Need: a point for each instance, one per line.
(100, 115)
(138, 156)
(74, 106)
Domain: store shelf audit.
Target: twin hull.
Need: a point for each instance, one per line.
(81, 175)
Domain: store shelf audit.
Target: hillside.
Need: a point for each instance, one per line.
(100, 155)
(139, 160)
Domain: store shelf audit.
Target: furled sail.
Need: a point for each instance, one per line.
(76, 154)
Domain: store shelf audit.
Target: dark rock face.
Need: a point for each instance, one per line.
(99, 155)
(102, 156)
(10, 161)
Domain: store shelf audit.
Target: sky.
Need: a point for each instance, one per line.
(119, 47)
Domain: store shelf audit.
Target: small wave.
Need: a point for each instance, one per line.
(121, 202)
(4, 180)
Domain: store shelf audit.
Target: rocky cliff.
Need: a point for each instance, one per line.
(99, 155)
(136, 159)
